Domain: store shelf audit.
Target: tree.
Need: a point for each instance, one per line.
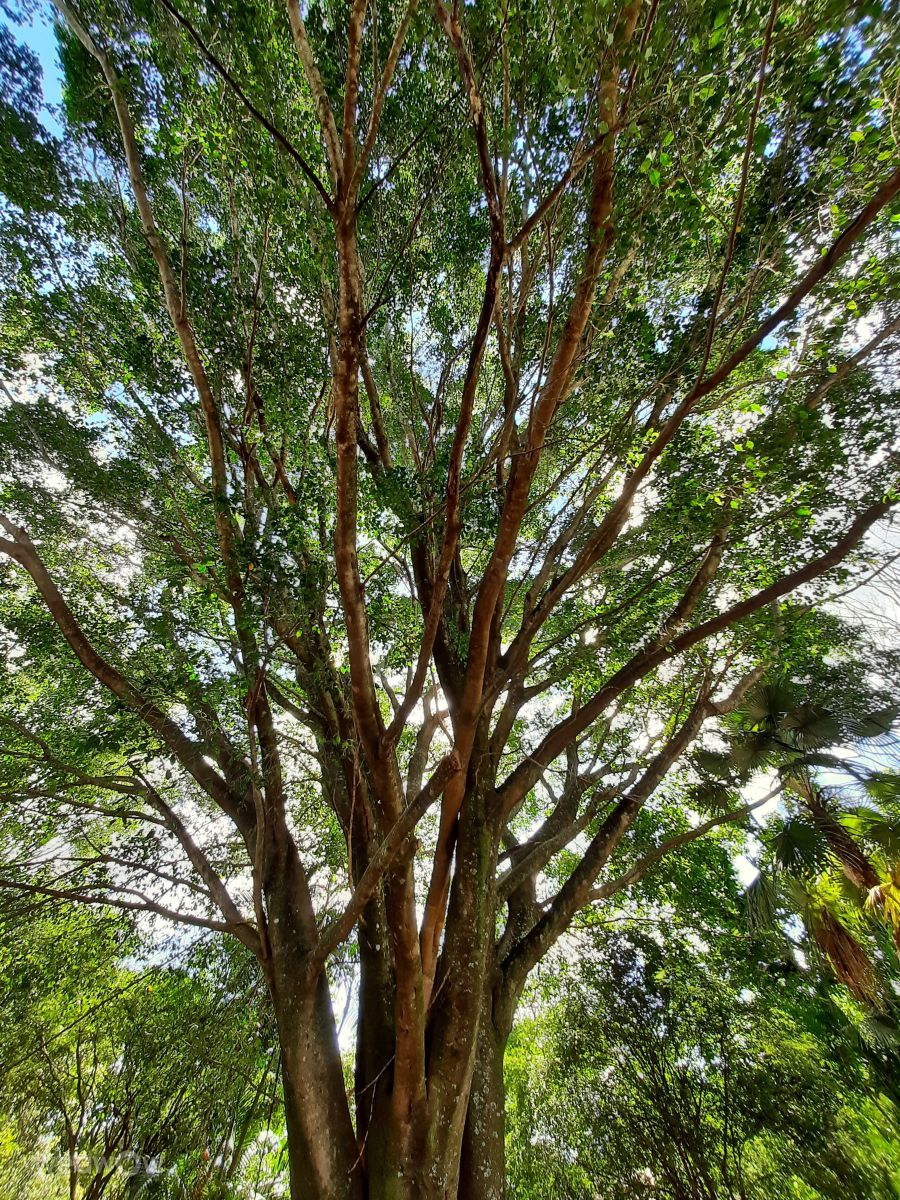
(835, 856)
(668, 1066)
(115, 1082)
(423, 427)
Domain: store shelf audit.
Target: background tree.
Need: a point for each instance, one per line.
(410, 409)
(662, 1060)
(116, 1079)
(835, 850)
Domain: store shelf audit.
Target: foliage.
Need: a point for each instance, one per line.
(115, 1081)
(425, 430)
(672, 1067)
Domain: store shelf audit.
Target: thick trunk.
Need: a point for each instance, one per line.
(482, 1174)
(409, 1150)
(458, 1002)
(383, 1160)
(322, 1151)
(373, 1073)
(327, 1162)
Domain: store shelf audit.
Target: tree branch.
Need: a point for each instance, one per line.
(524, 777)
(340, 928)
(281, 141)
(640, 869)
(188, 753)
(143, 905)
(204, 868)
(317, 87)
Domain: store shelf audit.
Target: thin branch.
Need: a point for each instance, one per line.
(281, 141)
(742, 187)
(189, 753)
(381, 92)
(145, 904)
(640, 869)
(217, 889)
(317, 87)
(524, 777)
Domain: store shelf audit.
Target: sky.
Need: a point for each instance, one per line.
(38, 35)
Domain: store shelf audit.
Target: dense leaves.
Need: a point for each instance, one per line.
(446, 455)
(668, 1065)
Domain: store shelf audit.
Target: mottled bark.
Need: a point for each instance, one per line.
(482, 1174)
(321, 1145)
(323, 1156)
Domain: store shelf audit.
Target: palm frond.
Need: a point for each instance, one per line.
(714, 763)
(799, 847)
(760, 902)
(870, 825)
(769, 703)
(811, 728)
(714, 797)
(879, 1034)
(884, 786)
(885, 898)
(875, 724)
(754, 752)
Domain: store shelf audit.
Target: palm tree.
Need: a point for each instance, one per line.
(835, 848)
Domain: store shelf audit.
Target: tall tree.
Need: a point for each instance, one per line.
(424, 425)
(837, 857)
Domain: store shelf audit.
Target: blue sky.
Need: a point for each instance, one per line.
(37, 33)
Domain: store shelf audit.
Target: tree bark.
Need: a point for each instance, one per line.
(482, 1174)
(322, 1151)
(320, 1136)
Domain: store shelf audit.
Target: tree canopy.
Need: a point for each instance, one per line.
(440, 447)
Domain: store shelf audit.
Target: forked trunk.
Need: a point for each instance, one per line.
(442, 1142)
(388, 1160)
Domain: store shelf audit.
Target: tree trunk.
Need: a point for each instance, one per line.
(398, 1151)
(458, 1004)
(373, 1073)
(322, 1151)
(852, 858)
(482, 1174)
